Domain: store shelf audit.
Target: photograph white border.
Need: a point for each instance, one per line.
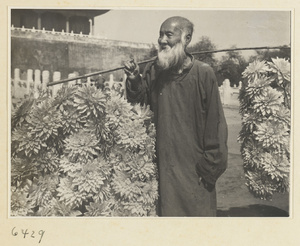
(151, 231)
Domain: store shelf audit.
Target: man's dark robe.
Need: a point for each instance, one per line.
(191, 137)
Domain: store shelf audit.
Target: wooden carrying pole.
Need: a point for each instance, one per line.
(152, 59)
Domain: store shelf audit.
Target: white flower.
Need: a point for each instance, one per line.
(257, 86)
(272, 134)
(282, 67)
(254, 69)
(268, 102)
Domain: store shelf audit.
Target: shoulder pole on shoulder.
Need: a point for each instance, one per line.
(152, 59)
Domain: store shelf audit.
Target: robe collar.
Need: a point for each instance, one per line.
(186, 67)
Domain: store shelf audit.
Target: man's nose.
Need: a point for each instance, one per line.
(162, 40)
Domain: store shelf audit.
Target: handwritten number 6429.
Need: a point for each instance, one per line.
(15, 233)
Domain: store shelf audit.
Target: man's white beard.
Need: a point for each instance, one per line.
(171, 57)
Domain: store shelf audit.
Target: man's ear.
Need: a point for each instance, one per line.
(188, 39)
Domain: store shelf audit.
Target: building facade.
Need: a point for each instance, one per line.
(67, 20)
(63, 40)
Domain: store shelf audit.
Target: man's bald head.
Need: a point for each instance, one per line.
(181, 23)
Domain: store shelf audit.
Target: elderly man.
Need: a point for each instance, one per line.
(191, 128)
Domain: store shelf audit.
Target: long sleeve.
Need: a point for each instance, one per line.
(214, 159)
(135, 92)
(139, 91)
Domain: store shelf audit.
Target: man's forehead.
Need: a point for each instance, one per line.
(171, 26)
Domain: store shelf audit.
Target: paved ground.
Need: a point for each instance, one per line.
(233, 196)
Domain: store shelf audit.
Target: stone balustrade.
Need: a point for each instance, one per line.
(35, 81)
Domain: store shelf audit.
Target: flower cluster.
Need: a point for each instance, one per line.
(265, 135)
(84, 152)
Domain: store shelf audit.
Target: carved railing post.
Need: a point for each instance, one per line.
(226, 88)
(56, 77)
(72, 82)
(17, 82)
(45, 79)
(37, 82)
(29, 82)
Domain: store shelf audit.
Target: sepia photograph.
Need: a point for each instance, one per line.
(143, 122)
(185, 114)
